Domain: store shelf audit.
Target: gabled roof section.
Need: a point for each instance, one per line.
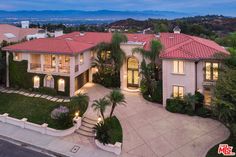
(182, 46)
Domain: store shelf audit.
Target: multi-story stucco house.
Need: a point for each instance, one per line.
(52, 61)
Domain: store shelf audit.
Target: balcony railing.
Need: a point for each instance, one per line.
(49, 68)
(35, 66)
(64, 69)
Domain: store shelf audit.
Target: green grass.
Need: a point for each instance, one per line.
(36, 110)
(213, 152)
(116, 130)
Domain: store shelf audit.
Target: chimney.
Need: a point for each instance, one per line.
(177, 30)
(24, 24)
(58, 33)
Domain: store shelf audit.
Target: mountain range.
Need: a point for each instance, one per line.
(100, 15)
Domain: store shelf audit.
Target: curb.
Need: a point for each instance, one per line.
(32, 147)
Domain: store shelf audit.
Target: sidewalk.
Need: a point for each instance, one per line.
(55, 144)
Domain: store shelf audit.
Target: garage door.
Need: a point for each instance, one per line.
(81, 80)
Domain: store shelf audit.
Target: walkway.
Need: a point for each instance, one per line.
(151, 131)
(31, 94)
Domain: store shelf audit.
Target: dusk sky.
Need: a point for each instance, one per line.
(225, 7)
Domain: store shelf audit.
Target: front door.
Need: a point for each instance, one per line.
(133, 73)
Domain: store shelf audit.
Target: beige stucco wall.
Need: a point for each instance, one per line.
(187, 80)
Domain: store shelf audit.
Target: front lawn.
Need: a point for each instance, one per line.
(36, 110)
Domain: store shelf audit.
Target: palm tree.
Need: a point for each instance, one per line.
(117, 55)
(100, 105)
(116, 98)
(153, 55)
(79, 103)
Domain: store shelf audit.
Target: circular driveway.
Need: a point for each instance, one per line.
(151, 131)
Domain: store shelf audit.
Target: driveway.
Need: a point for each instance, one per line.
(151, 131)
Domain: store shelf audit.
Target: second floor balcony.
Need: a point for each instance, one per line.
(49, 64)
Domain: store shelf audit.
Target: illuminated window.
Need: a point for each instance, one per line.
(178, 67)
(36, 82)
(81, 58)
(53, 61)
(106, 55)
(61, 85)
(211, 71)
(207, 96)
(17, 56)
(178, 91)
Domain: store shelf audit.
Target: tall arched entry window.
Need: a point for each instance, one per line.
(49, 81)
(133, 72)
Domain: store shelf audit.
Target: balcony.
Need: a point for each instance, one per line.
(35, 66)
(64, 69)
(49, 68)
(76, 68)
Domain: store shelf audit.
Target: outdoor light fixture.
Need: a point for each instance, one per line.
(99, 119)
(77, 114)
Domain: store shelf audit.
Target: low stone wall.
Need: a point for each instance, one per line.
(116, 148)
(43, 129)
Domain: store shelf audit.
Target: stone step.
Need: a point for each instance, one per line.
(84, 128)
(85, 133)
(89, 121)
(87, 125)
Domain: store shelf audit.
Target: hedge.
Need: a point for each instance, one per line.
(20, 78)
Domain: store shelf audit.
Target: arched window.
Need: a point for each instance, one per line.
(36, 81)
(61, 85)
(49, 81)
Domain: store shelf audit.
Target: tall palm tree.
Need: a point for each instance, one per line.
(117, 55)
(152, 54)
(116, 98)
(100, 105)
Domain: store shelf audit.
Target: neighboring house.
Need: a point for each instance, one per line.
(12, 33)
(53, 60)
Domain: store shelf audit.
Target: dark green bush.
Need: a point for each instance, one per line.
(109, 131)
(108, 80)
(79, 103)
(64, 121)
(157, 92)
(102, 134)
(200, 100)
(175, 105)
(204, 112)
(47, 91)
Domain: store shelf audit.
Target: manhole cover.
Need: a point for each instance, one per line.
(75, 149)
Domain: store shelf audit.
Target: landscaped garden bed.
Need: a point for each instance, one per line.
(38, 110)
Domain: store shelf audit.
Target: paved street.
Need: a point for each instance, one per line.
(10, 150)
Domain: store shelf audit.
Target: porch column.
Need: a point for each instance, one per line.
(7, 69)
(41, 61)
(72, 76)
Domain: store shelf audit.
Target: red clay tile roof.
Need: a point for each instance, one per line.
(19, 33)
(179, 46)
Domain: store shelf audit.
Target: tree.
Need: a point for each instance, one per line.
(100, 105)
(116, 98)
(153, 55)
(190, 100)
(117, 54)
(79, 103)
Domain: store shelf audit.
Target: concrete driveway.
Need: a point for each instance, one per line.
(151, 131)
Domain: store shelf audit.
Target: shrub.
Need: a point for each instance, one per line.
(64, 120)
(175, 105)
(47, 91)
(102, 134)
(157, 92)
(178, 105)
(200, 100)
(108, 80)
(204, 112)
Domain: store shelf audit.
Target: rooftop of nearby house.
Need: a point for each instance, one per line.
(176, 45)
(12, 33)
